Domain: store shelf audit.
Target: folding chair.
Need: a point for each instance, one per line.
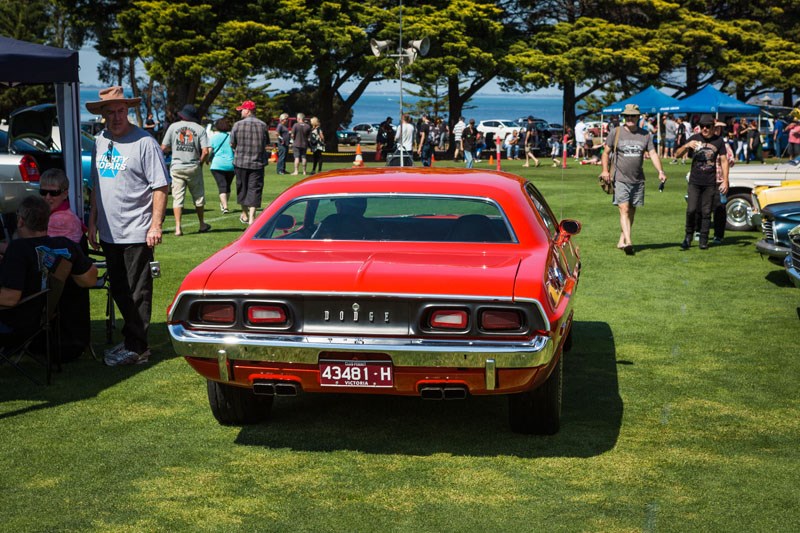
(22, 343)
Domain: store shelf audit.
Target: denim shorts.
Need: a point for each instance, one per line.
(669, 143)
(629, 193)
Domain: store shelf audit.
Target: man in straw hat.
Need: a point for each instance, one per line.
(628, 144)
(128, 201)
(709, 151)
(188, 142)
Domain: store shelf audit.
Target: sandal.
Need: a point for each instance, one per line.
(243, 219)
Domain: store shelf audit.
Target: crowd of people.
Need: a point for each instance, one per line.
(130, 180)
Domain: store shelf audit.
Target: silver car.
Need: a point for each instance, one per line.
(368, 132)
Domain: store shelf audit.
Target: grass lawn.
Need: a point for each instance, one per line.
(680, 412)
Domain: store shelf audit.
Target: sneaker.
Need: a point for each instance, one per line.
(114, 350)
(127, 357)
(703, 245)
(225, 211)
(717, 240)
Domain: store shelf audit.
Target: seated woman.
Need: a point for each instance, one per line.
(74, 305)
(54, 188)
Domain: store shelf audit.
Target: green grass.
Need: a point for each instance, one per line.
(680, 412)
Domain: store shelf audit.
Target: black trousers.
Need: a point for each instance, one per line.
(249, 186)
(132, 289)
(700, 201)
(720, 216)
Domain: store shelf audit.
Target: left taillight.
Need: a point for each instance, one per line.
(448, 319)
(217, 313)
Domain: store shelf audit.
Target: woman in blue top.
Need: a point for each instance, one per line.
(222, 161)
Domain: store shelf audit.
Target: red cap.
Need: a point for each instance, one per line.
(247, 104)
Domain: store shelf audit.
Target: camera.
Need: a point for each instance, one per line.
(155, 269)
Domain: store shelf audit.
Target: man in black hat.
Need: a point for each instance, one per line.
(188, 142)
(709, 150)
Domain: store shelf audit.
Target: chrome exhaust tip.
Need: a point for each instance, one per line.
(276, 388)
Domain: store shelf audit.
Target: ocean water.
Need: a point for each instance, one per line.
(375, 107)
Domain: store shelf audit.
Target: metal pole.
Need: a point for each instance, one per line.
(400, 70)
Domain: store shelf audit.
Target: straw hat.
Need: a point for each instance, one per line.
(109, 96)
(631, 110)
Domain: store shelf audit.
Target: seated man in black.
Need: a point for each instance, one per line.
(26, 263)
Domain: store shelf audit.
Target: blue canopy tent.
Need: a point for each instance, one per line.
(24, 63)
(714, 101)
(650, 100)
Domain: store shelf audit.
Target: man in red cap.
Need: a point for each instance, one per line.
(249, 139)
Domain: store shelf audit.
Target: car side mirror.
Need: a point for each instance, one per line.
(284, 222)
(566, 229)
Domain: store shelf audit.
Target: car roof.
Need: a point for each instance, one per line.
(411, 180)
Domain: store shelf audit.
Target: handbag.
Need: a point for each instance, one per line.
(608, 186)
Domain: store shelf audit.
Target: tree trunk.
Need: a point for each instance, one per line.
(568, 106)
(134, 87)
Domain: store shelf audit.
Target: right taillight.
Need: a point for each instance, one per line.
(28, 169)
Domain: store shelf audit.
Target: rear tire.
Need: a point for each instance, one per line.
(538, 412)
(233, 406)
(736, 218)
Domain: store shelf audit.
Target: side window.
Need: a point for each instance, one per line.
(543, 209)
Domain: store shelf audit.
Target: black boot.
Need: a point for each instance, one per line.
(687, 242)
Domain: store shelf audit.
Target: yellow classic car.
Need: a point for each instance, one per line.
(763, 196)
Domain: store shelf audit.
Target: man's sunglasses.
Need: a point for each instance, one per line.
(46, 192)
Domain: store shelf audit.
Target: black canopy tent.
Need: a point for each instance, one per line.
(23, 63)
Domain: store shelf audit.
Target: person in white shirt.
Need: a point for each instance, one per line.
(580, 140)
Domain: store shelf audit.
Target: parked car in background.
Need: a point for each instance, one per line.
(792, 261)
(367, 132)
(763, 196)
(19, 176)
(744, 178)
(433, 283)
(493, 127)
(776, 222)
(346, 136)
(544, 129)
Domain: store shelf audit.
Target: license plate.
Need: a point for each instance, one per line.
(376, 374)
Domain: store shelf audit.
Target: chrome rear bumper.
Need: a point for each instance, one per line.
(298, 349)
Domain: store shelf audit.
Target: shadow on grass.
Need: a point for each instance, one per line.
(78, 380)
(591, 416)
(735, 240)
(779, 278)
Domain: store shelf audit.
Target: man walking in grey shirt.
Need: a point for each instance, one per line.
(629, 143)
(188, 142)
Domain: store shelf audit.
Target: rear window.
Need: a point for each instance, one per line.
(391, 218)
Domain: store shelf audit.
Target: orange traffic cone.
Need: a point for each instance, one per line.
(273, 157)
(491, 160)
(359, 162)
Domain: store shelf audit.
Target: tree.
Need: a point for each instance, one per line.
(330, 47)
(468, 47)
(590, 53)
